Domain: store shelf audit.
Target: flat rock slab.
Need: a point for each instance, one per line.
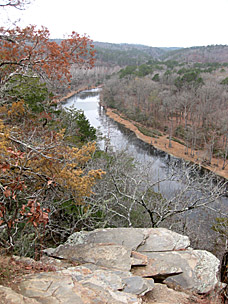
(85, 284)
(107, 255)
(137, 239)
(199, 269)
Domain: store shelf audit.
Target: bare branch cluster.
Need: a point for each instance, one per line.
(18, 4)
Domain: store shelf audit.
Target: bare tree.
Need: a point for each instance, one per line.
(129, 193)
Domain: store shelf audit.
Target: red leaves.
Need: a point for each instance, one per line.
(35, 214)
(7, 192)
(45, 115)
(15, 153)
(4, 167)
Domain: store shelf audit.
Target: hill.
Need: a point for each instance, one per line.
(126, 54)
(210, 53)
(136, 54)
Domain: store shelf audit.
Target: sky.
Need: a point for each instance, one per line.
(157, 23)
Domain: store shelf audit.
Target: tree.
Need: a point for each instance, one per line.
(224, 81)
(129, 70)
(77, 129)
(29, 52)
(31, 90)
(156, 78)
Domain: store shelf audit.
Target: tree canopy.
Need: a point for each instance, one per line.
(28, 52)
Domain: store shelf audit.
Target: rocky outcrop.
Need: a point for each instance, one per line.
(164, 255)
(123, 265)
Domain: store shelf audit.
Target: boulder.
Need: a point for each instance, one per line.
(200, 271)
(149, 252)
(157, 267)
(119, 266)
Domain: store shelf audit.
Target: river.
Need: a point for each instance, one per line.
(121, 138)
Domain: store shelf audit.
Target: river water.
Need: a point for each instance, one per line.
(120, 138)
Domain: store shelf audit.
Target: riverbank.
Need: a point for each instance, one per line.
(177, 149)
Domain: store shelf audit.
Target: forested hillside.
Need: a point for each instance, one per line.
(131, 54)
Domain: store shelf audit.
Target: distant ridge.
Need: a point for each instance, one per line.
(123, 54)
(210, 53)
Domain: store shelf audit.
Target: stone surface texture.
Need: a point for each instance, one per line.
(120, 265)
(9, 296)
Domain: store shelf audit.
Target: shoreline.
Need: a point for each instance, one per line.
(178, 150)
(160, 143)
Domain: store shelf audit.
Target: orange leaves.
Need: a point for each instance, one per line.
(3, 139)
(30, 49)
(38, 168)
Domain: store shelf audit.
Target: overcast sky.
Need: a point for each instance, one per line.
(159, 23)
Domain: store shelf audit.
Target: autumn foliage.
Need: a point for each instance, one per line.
(29, 50)
(38, 173)
(43, 168)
